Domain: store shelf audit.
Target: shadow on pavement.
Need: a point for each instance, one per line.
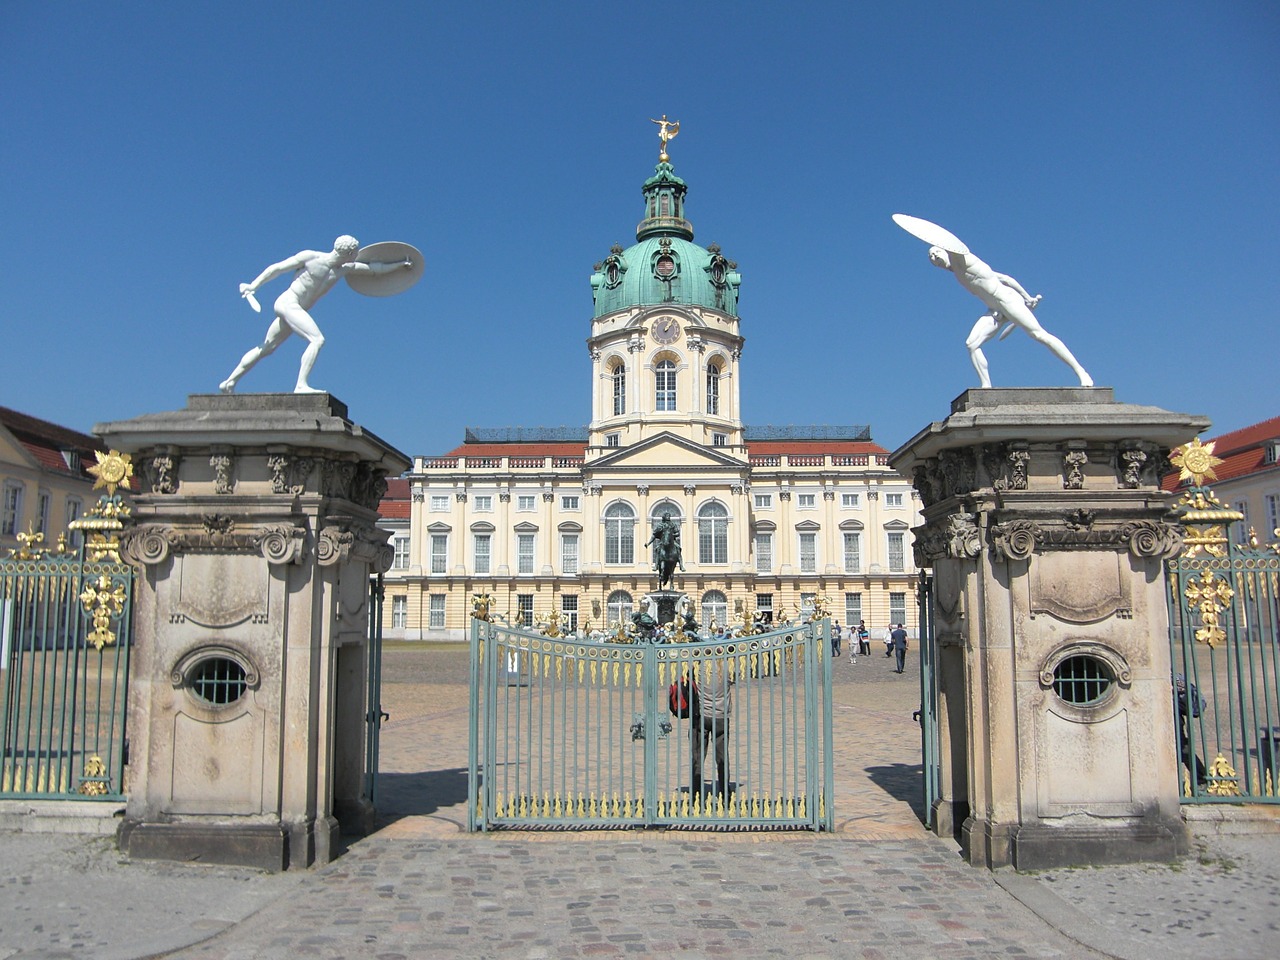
(420, 794)
(902, 781)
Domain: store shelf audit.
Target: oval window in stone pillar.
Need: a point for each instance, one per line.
(1085, 676)
(215, 676)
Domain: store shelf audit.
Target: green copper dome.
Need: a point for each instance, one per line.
(665, 265)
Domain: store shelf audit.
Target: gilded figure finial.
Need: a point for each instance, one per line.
(667, 130)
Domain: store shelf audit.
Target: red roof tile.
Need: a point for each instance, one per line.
(395, 509)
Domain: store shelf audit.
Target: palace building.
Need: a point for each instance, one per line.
(772, 519)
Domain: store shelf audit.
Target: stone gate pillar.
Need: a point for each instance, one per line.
(1047, 533)
(255, 535)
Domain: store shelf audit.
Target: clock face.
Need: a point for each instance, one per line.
(666, 330)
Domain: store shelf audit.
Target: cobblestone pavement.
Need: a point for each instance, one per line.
(880, 887)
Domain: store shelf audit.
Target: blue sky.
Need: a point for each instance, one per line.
(1119, 158)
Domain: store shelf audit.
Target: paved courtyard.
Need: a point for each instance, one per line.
(879, 887)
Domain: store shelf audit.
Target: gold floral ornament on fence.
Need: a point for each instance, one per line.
(105, 601)
(104, 522)
(1211, 595)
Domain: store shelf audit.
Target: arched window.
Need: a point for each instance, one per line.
(665, 384)
(619, 534)
(713, 533)
(715, 609)
(713, 388)
(618, 607)
(620, 389)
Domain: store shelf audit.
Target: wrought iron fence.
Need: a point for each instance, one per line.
(65, 617)
(1224, 609)
(567, 731)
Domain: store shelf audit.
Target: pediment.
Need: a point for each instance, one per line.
(666, 450)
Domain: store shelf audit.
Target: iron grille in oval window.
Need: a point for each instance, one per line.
(1082, 680)
(218, 680)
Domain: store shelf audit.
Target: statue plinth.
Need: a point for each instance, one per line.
(1047, 534)
(254, 535)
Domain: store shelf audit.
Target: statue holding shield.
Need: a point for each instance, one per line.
(369, 271)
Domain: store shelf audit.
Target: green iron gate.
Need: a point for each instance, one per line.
(65, 619)
(567, 731)
(374, 714)
(1224, 614)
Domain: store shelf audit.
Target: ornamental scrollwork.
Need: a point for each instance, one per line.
(964, 542)
(280, 543)
(148, 544)
(1073, 470)
(333, 545)
(1153, 538)
(289, 474)
(1015, 540)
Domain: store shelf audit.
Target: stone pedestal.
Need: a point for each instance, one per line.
(255, 535)
(1047, 534)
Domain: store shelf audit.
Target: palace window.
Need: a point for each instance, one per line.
(524, 552)
(807, 602)
(439, 503)
(807, 501)
(399, 612)
(764, 501)
(44, 503)
(526, 503)
(719, 439)
(715, 609)
(613, 439)
(11, 515)
(808, 553)
(665, 384)
(764, 606)
(569, 612)
(764, 552)
(619, 389)
(713, 388)
(713, 534)
(439, 552)
(524, 609)
(898, 608)
(619, 534)
(484, 504)
(401, 559)
(1242, 525)
(484, 552)
(893, 500)
(570, 502)
(897, 552)
(853, 609)
(852, 553)
(569, 553)
(75, 506)
(618, 608)
(849, 500)
(435, 611)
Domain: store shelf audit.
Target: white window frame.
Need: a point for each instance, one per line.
(852, 551)
(713, 388)
(439, 553)
(808, 557)
(898, 607)
(764, 604)
(569, 546)
(850, 501)
(806, 501)
(619, 381)
(526, 553)
(482, 559)
(764, 551)
(11, 517)
(896, 550)
(44, 509)
(714, 606)
(436, 611)
(764, 501)
(619, 535)
(893, 501)
(524, 608)
(719, 439)
(439, 503)
(526, 502)
(853, 614)
(664, 386)
(400, 544)
(399, 612)
(613, 439)
(569, 612)
(570, 502)
(618, 607)
(713, 533)
(483, 503)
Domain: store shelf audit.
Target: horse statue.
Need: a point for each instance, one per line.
(666, 553)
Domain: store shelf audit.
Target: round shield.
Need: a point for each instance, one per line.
(393, 281)
(930, 233)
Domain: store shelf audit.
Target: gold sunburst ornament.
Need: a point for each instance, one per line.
(113, 469)
(1195, 462)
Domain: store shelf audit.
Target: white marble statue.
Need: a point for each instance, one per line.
(1011, 305)
(315, 273)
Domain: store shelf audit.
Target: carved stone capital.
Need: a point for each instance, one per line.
(642, 489)
(1015, 540)
(690, 489)
(152, 543)
(147, 544)
(784, 495)
(280, 542)
(1073, 463)
(289, 474)
(161, 472)
(1154, 538)
(460, 496)
(828, 494)
(420, 497)
(548, 496)
(333, 545)
(504, 496)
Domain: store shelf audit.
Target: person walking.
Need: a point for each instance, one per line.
(836, 634)
(888, 640)
(864, 639)
(710, 729)
(899, 636)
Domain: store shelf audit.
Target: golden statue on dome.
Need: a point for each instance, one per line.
(667, 130)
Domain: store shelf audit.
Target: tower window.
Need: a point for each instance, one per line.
(619, 389)
(665, 383)
(713, 388)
